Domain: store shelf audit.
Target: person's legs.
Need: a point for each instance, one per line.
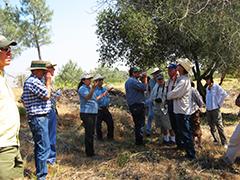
(11, 164)
(89, 126)
(150, 116)
(172, 118)
(100, 118)
(211, 124)
(39, 128)
(217, 115)
(186, 134)
(138, 114)
(109, 121)
(233, 150)
(52, 128)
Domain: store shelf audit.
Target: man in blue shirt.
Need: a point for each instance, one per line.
(103, 101)
(36, 99)
(135, 100)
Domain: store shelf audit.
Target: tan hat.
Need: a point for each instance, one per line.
(186, 64)
(155, 71)
(4, 42)
(98, 77)
(50, 65)
(86, 76)
(38, 64)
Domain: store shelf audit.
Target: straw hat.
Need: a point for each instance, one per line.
(186, 64)
(38, 65)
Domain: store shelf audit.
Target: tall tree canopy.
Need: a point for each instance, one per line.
(147, 33)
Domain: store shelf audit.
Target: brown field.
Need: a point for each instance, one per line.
(121, 159)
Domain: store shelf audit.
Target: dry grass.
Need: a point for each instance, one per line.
(121, 159)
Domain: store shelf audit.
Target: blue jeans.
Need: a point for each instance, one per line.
(39, 127)
(150, 116)
(52, 129)
(185, 134)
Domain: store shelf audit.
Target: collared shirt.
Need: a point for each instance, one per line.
(152, 83)
(105, 100)
(158, 91)
(215, 97)
(181, 96)
(87, 106)
(134, 91)
(197, 101)
(34, 90)
(9, 116)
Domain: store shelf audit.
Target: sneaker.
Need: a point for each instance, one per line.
(215, 142)
(225, 146)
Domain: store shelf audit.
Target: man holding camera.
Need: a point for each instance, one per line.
(135, 99)
(103, 101)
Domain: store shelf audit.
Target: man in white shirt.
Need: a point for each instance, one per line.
(11, 164)
(215, 96)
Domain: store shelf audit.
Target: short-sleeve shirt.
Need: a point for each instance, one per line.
(104, 101)
(87, 106)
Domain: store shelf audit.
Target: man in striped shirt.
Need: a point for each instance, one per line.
(36, 99)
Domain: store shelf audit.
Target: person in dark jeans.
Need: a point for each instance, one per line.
(103, 101)
(181, 96)
(135, 99)
(88, 110)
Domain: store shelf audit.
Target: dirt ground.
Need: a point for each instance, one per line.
(121, 159)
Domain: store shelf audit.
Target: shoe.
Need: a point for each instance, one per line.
(148, 134)
(225, 146)
(167, 143)
(215, 142)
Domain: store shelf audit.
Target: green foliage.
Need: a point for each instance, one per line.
(123, 158)
(35, 19)
(111, 75)
(69, 75)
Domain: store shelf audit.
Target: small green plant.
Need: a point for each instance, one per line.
(123, 159)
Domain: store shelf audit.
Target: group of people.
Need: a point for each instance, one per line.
(173, 104)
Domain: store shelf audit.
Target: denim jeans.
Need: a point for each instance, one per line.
(39, 128)
(52, 129)
(185, 134)
(89, 126)
(104, 115)
(138, 114)
(150, 116)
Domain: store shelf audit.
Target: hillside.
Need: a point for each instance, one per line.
(121, 159)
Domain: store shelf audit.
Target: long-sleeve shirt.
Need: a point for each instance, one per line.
(197, 101)
(9, 116)
(134, 91)
(34, 90)
(181, 96)
(215, 97)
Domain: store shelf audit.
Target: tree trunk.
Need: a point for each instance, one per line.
(38, 47)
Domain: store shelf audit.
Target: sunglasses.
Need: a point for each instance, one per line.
(6, 49)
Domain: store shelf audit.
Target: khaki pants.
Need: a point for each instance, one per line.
(11, 164)
(214, 118)
(233, 150)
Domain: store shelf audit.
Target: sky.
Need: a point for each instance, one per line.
(73, 37)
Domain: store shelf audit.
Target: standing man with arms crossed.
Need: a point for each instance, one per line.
(11, 164)
(135, 100)
(36, 99)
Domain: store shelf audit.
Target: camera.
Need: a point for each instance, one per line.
(158, 100)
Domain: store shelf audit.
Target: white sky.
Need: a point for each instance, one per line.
(72, 35)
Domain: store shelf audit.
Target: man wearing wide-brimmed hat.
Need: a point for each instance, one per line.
(103, 101)
(36, 98)
(11, 164)
(135, 99)
(181, 96)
